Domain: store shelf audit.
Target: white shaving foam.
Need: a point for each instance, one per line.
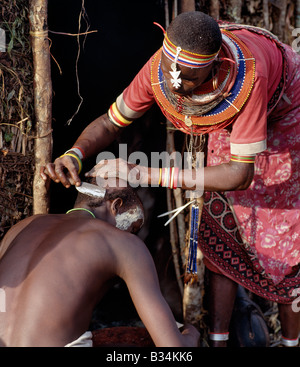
(125, 220)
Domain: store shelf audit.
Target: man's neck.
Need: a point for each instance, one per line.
(81, 211)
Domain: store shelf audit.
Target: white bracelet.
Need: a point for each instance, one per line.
(219, 336)
(289, 342)
(76, 151)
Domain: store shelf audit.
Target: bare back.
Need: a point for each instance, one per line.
(58, 267)
(55, 270)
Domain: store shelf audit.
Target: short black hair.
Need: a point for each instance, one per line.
(195, 32)
(127, 194)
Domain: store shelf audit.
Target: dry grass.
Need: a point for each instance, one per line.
(16, 115)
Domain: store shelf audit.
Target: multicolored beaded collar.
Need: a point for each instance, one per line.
(212, 106)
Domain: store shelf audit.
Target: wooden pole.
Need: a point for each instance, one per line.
(42, 100)
(171, 148)
(279, 15)
(174, 245)
(215, 9)
(192, 293)
(187, 5)
(266, 14)
(235, 10)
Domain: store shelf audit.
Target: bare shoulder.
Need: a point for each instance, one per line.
(18, 227)
(14, 232)
(130, 244)
(132, 255)
(123, 244)
(99, 229)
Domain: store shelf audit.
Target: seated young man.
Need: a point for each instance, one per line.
(55, 268)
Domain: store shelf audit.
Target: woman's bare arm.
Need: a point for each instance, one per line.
(139, 273)
(94, 138)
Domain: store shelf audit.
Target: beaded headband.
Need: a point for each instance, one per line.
(186, 58)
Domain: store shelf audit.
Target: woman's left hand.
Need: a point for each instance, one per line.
(134, 174)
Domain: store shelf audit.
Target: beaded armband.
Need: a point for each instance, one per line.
(168, 177)
(116, 117)
(75, 157)
(77, 150)
(243, 158)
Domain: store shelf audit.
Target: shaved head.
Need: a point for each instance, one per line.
(195, 32)
(125, 192)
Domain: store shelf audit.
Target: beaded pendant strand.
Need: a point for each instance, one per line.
(191, 271)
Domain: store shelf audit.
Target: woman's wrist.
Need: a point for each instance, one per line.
(75, 156)
(165, 177)
(78, 151)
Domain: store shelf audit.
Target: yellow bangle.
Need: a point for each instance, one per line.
(118, 114)
(159, 178)
(77, 159)
(166, 177)
(172, 177)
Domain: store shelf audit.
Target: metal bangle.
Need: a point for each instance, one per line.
(289, 342)
(219, 336)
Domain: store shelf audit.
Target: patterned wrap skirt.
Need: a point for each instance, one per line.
(253, 236)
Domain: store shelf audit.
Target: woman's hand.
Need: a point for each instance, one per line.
(64, 170)
(134, 174)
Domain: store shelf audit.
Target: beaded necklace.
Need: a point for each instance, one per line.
(214, 105)
(86, 210)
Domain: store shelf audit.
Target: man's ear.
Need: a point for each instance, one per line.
(116, 205)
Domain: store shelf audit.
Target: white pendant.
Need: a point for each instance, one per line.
(188, 121)
(176, 81)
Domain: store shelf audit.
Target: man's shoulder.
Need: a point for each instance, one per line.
(96, 230)
(109, 242)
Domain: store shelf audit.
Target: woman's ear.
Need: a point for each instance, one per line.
(116, 205)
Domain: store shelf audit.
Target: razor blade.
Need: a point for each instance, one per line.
(91, 190)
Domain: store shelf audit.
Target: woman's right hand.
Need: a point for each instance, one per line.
(64, 170)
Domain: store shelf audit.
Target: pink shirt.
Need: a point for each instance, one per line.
(250, 127)
(249, 130)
